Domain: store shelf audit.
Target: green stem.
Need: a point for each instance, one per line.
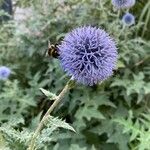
(45, 117)
(118, 14)
(146, 23)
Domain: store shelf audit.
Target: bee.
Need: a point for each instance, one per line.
(52, 50)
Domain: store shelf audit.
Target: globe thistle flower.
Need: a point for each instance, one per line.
(4, 72)
(128, 19)
(88, 54)
(121, 4)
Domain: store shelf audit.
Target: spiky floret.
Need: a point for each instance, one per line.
(88, 54)
(128, 19)
(121, 4)
(4, 72)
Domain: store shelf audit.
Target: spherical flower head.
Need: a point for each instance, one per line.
(88, 54)
(128, 19)
(4, 72)
(121, 4)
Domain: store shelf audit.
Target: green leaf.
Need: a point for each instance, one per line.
(120, 64)
(77, 147)
(139, 130)
(59, 123)
(147, 88)
(48, 94)
(89, 113)
(100, 100)
(119, 138)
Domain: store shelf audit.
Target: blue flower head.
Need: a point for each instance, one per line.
(88, 54)
(4, 72)
(128, 19)
(121, 4)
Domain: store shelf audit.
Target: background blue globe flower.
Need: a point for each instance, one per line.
(128, 19)
(121, 4)
(4, 72)
(88, 54)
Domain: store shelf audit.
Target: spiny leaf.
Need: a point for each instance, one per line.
(50, 95)
(119, 138)
(59, 123)
(89, 112)
(77, 147)
(120, 64)
(139, 130)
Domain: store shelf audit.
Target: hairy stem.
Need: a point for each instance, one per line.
(45, 117)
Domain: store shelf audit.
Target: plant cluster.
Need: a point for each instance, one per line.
(114, 114)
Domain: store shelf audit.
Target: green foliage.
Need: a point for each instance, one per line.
(13, 138)
(135, 85)
(113, 115)
(47, 134)
(138, 128)
(14, 101)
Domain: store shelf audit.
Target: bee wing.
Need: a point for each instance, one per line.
(49, 44)
(46, 51)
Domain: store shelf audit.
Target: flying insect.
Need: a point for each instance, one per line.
(52, 50)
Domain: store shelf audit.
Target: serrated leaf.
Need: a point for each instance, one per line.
(77, 147)
(48, 94)
(14, 122)
(102, 100)
(59, 123)
(147, 88)
(89, 112)
(136, 132)
(120, 64)
(119, 138)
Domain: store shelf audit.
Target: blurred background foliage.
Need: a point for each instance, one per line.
(114, 115)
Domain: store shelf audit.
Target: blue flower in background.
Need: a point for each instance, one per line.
(121, 4)
(128, 19)
(88, 54)
(4, 72)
